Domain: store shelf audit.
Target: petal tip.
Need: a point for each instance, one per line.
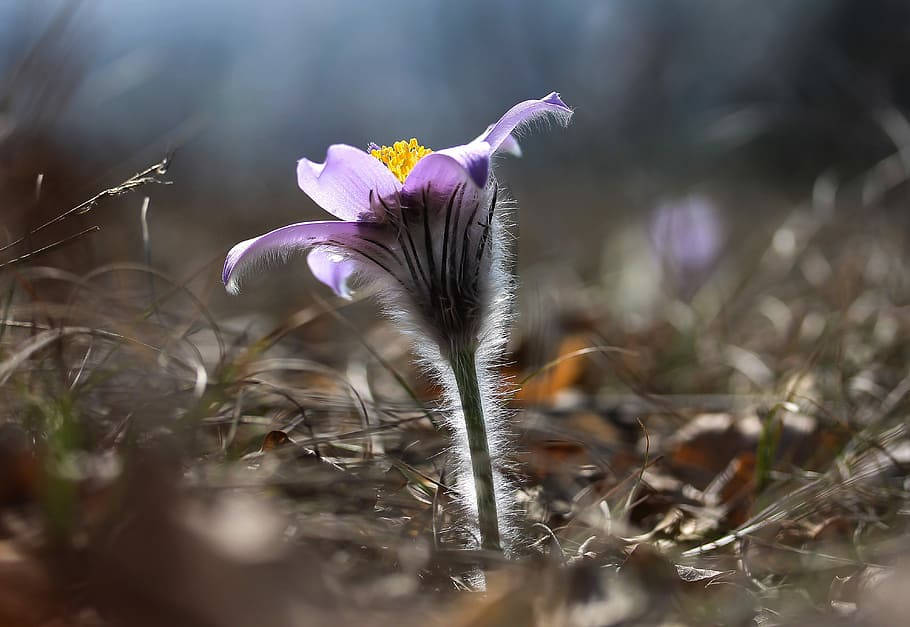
(554, 98)
(230, 280)
(232, 287)
(566, 113)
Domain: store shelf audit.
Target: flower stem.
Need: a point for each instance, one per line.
(465, 369)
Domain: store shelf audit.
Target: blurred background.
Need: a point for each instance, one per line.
(713, 325)
(717, 115)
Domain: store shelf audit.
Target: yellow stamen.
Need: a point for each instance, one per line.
(401, 157)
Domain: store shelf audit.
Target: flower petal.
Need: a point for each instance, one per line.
(342, 184)
(447, 168)
(251, 255)
(444, 169)
(508, 146)
(332, 269)
(522, 113)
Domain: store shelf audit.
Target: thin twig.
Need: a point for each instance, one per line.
(137, 180)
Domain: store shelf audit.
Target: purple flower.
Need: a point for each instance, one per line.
(428, 228)
(417, 219)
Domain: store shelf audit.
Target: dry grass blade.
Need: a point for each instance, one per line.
(140, 179)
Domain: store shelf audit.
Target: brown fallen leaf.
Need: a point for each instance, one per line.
(274, 440)
(733, 488)
(566, 371)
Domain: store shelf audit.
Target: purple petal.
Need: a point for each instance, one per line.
(508, 146)
(342, 184)
(332, 269)
(521, 114)
(252, 255)
(444, 169)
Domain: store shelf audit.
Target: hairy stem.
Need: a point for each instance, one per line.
(465, 369)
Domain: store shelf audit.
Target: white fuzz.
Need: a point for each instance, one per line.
(494, 310)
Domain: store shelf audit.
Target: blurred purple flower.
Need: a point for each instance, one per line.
(687, 234)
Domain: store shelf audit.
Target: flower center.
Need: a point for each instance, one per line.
(400, 157)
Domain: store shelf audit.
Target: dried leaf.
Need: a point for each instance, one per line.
(690, 574)
(274, 440)
(566, 370)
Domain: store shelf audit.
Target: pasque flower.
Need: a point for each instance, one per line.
(427, 227)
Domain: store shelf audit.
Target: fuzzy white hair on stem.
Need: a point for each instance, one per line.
(446, 282)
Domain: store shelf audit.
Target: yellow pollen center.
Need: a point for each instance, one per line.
(401, 157)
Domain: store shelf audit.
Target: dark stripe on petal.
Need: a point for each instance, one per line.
(484, 238)
(445, 243)
(486, 227)
(381, 246)
(464, 247)
(407, 230)
(367, 256)
(428, 242)
(453, 274)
